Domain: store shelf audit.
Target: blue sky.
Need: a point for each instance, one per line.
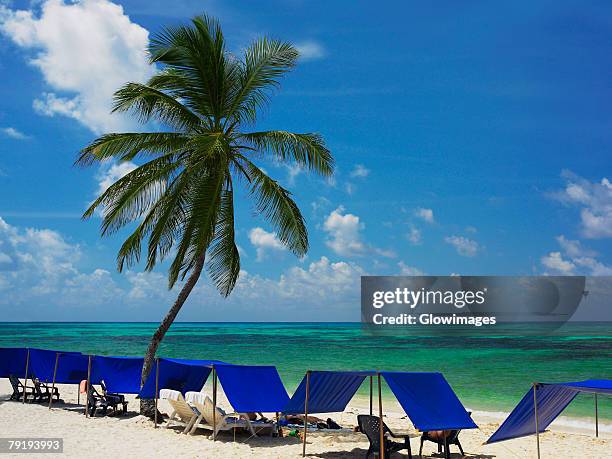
(470, 138)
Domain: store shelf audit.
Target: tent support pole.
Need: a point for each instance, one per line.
(25, 379)
(535, 411)
(380, 414)
(371, 395)
(54, 375)
(87, 386)
(156, 388)
(214, 372)
(596, 418)
(78, 394)
(306, 413)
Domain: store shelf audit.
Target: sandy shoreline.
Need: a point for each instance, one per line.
(134, 436)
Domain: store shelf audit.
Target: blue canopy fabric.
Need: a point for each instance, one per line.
(121, 375)
(552, 399)
(12, 361)
(429, 401)
(328, 391)
(177, 374)
(252, 389)
(71, 367)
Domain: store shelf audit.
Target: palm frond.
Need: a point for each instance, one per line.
(276, 204)
(264, 62)
(307, 150)
(223, 259)
(129, 145)
(147, 103)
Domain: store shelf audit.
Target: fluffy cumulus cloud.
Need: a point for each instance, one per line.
(310, 50)
(13, 133)
(344, 236)
(264, 241)
(574, 258)
(85, 51)
(464, 246)
(344, 233)
(426, 215)
(594, 199)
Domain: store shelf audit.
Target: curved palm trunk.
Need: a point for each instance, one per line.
(147, 407)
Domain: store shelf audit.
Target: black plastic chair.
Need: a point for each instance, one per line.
(370, 426)
(18, 389)
(95, 401)
(451, 438)
(113, 398)
(43, 391)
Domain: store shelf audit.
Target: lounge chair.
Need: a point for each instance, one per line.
(113, 398)
(43, 391)
(443, 442)
(183, 414)
(97, 401)
(370, 426)
(19, 388)
(222, 421)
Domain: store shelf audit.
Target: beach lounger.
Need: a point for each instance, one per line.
(43, 391)
(114, 399)
(222, 421)
(449, 437)
(18, 389)
(96, 402)
(183, 414)
(370, 426)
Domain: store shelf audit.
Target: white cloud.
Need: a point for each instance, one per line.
(293, 170)
(406, 270)
(414, 236)
(13, 133)
(344, 232)
(580, 260)
(424, 214)
(574, 248)
(264, 241)
(85, 51)
(464, 246)
(360, 171)
(555, 262)
(594, 200)
(310, 50)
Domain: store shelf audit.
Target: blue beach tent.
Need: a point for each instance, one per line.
(429, 401)
(13, 361)
(543, 404)
(251, 389)
(177, 374)
(328, 391)
(121, 375)
(71, 366)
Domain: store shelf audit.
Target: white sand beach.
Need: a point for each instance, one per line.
(134, 436)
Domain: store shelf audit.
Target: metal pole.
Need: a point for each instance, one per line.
(214, 372)
(596, 418)
(87, 386)
(371, 383)
(156, 388)
(54, 374)
(535, 411)
(25, 382)
(306, 413)
(380, 414)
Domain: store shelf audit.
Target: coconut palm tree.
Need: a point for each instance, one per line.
(180, 200)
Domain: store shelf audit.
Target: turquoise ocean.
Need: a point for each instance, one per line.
(489, 371)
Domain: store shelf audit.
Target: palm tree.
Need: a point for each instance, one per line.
(180, 200)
